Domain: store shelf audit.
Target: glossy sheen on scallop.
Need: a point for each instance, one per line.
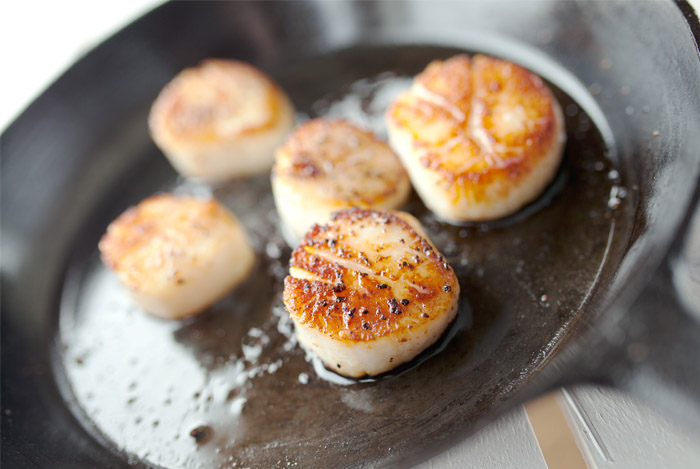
(369, 291)
(177, 254)
(220, 120)
(328, 165)
(479, 137)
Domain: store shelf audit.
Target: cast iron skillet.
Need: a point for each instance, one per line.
(576, 287)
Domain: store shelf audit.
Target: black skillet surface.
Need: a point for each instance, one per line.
(88, 381)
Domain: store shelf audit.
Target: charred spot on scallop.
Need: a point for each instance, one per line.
(387, 309)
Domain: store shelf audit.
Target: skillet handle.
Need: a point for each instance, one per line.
(664, 348)
(654, 352)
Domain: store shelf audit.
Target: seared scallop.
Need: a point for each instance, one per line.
(220, 120)
(480, 137)
(369, 291)
(328, 165)
(177, 255)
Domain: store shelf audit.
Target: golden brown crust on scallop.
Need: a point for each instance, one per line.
(355, 295)
(192, 106)
(482, 124)
(349, 166)
(155, 235)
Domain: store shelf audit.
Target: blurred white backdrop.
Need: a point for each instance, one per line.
(40, 39)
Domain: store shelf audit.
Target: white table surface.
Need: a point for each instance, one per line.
(39, 40)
